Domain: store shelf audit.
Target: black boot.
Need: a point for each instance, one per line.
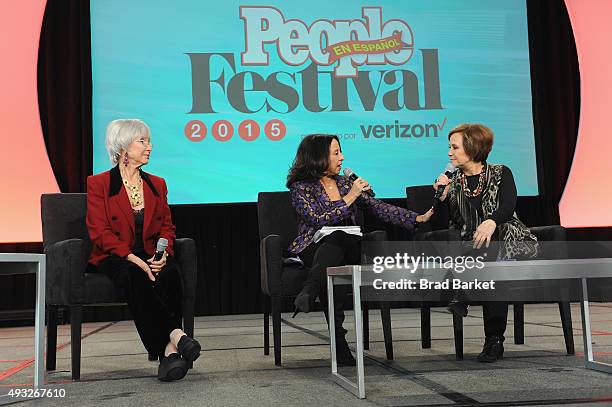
(171, 368)
(305, 300)
(344, 357)
(343, 353)
(492, 350)
(189, 348)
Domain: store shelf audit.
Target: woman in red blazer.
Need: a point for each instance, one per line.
(127, 212)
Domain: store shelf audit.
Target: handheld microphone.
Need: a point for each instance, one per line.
(448, 171)
(162, 244)
(352, 176)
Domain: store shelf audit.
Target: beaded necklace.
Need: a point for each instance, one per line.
(134, 191)
(482, 180)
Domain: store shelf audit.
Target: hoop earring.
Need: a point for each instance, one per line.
(125, 159)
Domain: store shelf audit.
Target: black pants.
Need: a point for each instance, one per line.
(155, 306)
(494, 314)
(336, 249)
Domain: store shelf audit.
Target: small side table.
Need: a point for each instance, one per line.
(27, 263)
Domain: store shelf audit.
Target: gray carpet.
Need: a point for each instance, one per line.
(233, 371)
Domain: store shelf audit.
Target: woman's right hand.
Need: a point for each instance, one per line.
(141, 263)
(359, 185)
(440, 181)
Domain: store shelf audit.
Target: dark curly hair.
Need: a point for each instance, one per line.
(312, 158)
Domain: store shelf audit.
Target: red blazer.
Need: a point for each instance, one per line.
(110, 219)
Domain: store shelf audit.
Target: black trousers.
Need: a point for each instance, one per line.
(336, 249)
(155, 306)
(494, 314)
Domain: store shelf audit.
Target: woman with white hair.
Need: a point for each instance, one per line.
(127, 212)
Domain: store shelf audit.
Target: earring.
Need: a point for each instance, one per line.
(125, 159)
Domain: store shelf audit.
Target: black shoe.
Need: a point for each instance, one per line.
(305, 300)
(172, 367)
(344, 357)
(492, 350)
(189, 348)
(458, 308)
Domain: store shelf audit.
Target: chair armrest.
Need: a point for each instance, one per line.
(548, 234)
(66, 261)
(375, 236)
(185, 252)
(270, 251)
(443, 235)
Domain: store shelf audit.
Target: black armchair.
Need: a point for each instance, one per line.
(67, 247)
(553, 233)
(421, 197)
(277, 228)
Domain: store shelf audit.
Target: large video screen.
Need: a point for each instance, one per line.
(230, 88)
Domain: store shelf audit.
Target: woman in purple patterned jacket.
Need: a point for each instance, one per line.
(322, 197)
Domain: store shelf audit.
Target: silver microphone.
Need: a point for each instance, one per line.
(448, 171)
(162, 244)
(352, 176)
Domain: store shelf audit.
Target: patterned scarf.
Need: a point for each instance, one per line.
(515, 238)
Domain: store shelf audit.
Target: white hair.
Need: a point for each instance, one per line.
(121, 133)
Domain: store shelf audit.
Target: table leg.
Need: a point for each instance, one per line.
(39, 327)
(589, 361)
(358, 389)
(358, 333)
(331, 323)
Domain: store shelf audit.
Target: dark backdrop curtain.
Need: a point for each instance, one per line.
(227, 235)
(64, 91)
(555, 87)
(64, 99)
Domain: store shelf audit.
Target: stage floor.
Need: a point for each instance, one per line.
(233, 371)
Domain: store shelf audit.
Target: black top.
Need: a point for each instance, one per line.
(507, 196)
(138, 247)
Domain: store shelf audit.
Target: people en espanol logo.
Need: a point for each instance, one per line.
(351, 43)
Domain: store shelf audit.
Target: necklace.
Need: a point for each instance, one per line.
(330, 186)
(479, 188)
(134, 192)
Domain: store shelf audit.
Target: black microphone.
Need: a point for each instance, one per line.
(448, 171)
(161, 247)
(352, 176)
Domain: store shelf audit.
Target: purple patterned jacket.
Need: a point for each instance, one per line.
(315, 210)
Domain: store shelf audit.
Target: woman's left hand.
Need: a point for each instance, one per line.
(425, 217)
(156, 266)
(483, 233)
